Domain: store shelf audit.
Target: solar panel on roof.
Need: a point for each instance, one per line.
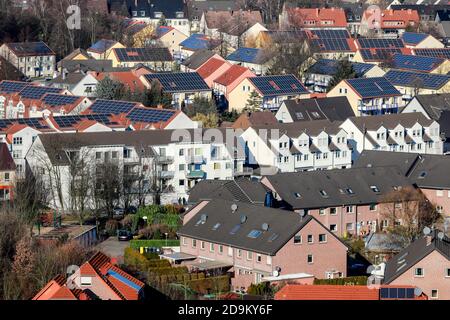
(59, 99)
(378, 54)
(32, 122)
(71, 120)
(331, 44)
(373, 87)
(12, 86)
(150, 115)
(36, 92)
(417, 63)
(417, 79)
(413, 38)
(179, 82)
(437, 52)
(112, 106)
(331, 34)
(245, 55)
(366, 43)
(278, 85)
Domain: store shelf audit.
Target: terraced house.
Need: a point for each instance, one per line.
(258, 244)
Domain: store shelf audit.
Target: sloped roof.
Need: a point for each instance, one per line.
(326, 292)
(23, 49)
(330, 108)
(417, 79)
(390, 121)
(278, 85)
(434, 104)
(232, 22)
(330, 67)
(231, 75)
(142, 54)
(102, 45)
(413, 38)
(298, 17)
(198, 58)
(248, 55)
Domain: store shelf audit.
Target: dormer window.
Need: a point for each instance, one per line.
(86, 281)
(179, 14)
(142, 13)
(158, 15)
(134, 13)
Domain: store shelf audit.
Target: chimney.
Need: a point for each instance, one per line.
(429, 239)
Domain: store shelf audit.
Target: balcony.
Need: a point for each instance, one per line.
(243, 172)
(167, 174)
(271, 106)
(196, 174)
(164, 159)
(190, 159)
(377, 107)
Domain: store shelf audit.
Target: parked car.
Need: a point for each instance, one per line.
(124, 235)
(117, 211)
(131, 210)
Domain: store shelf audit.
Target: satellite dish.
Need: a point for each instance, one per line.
(265, 227)
(243, 218)
(234, 207)
(441, 235)
(302, 213)
(417, 291)
(275, 273)
(426, 231)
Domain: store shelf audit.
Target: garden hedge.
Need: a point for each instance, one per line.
(136, 244)
(360, 280)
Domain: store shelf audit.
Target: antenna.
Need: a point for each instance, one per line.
(234, 207)
(426, 231)
(243, 218)
(265, 227)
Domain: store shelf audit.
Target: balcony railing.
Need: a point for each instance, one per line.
(243, 172)
(372, 107)
(164, 159)
(194, 159)
(167, 174)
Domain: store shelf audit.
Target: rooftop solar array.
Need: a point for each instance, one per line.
(196, 41)
(143, 54)
(150, 115)
(32, 122)
(250, 55)
(373, 87)
(278, 85)
(102, 45)
(413, 37)
(416, 63)
(331, 44)
(112, 106)
(179, 81)
(365, 43)
(330, 67)
(437, 52)
(31, 48)
(379, 54)
(330, 34)
(12, 86)
(37, 92)
(417, 79)
(70, 121)
(59, 99)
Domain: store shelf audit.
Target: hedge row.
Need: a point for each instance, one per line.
(360, 280)
(136, 244)
(158, 263)
(134, 259)
(176, 278)
(211, 285)
(167, 271)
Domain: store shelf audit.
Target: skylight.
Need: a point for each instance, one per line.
(323, 193)
(350, 191)
(297, 195)
(254, 234)
(273, 237)
(375, 189)
(216, 226)
(422, 175)
(235, 229)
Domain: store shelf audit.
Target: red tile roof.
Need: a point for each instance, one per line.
(229, 76)
(127, 78)
(210, 67)
(326, 292)
(394, 19)
(315, 17)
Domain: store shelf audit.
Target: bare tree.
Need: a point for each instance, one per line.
(107, 188)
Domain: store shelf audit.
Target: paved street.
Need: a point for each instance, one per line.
(113, 248)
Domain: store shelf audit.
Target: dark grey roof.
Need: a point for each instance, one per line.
(22, 49)
(196, 8)
(198, 58)
(414, 253)
(70, 79)
(382, 242)
(332, 108)
(295, 129)
(87, 65)
(282, 223)
(302, 190)
(371, 158)
(434, 104)
(243, 189)
(390, 121)
(168, 8)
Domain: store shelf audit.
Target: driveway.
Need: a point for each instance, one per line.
(113, 248)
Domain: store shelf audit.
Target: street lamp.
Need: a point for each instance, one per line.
(166, 234)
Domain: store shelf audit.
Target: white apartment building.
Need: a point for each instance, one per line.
(157, 155)
(408, 132)
(298, 146)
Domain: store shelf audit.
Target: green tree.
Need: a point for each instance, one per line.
(254, 102)
(155, 96)
(110, 89)
(200, 105)
(209, 120)
(344, 71)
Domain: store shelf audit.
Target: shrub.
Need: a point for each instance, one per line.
(359, 280)
(261, 289)
(136, 244)
(135, 260)
(111, 227)
(210, 285)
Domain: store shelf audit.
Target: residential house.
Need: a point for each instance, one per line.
(76, 55)
(336, 44)
(171, 38)
(346, 292)
(251, 58)
(444, 30)
(258, 242)
(197, 59)
(255, 119)
(298, 146)
(351, 201)
(33, 59)
(435, 107)
(426, 11)
(420, 40)
(411, 83)
(102, 48)
(183, 86)
(228, 81)
(425, 264)
(213, 69)
(311, 18)
(130, 79)
(270, 91)
(421, 64)
(437, 53)
(99, 278)
(353, 13)
(297, 110)
(241, 189)
(369, 96)
(198, 7)
(179, 163)
(158, 59)
(79, 83)
(200, 42)
(7, 173)
(319, 75)
(388, 22)
(235, 28)
(173, 12)
(59, 104)
(80, 66)
(137, 33)
(404, 132)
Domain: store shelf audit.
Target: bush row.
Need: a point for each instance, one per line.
(159, 271)
(359, 280)
(136, 244)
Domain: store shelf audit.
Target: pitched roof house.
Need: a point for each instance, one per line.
(158, 59)
(97, 279)
(421, 64)
(312, 18)
(102, 48)
(388, 21)
(420, 40)
(411, 83)
(7, 173)
(254, 119)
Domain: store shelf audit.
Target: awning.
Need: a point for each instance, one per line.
(178, 256)
(209, 265)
